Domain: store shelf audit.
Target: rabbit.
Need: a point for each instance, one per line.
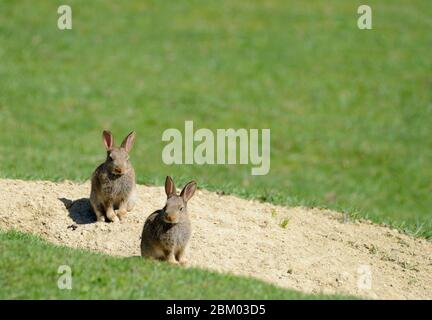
(167, 231)
(113, 182)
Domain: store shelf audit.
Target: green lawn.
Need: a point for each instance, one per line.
(29, 270)
(350, 111)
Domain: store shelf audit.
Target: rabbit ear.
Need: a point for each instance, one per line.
(108, 139)
(170, 188)
(188, 191)
(128, 141)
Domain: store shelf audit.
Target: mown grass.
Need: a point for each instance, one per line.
(29, 270)
(350, 111)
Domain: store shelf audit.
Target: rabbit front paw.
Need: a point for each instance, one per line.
(121, 214)
(112, 216)
(171, 259)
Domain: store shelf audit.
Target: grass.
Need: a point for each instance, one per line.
(284, 223)
(349, 110)
(29, 270)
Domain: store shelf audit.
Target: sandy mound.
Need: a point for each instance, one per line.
(316, 251)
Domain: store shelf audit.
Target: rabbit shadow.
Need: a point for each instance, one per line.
(80, 210)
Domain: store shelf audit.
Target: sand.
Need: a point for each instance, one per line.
(311, 250)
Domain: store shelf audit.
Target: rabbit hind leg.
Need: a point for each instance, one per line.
(153, 252)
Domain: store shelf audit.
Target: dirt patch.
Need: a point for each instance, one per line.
(309, 250)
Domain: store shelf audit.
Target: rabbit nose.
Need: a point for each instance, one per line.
(170, 218)
(118, 170)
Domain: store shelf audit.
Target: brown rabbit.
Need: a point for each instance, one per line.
(113, 182)
(167, 231)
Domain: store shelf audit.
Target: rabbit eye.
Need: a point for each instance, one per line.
(181, 208)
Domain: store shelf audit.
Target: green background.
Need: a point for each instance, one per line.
(350, 110)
